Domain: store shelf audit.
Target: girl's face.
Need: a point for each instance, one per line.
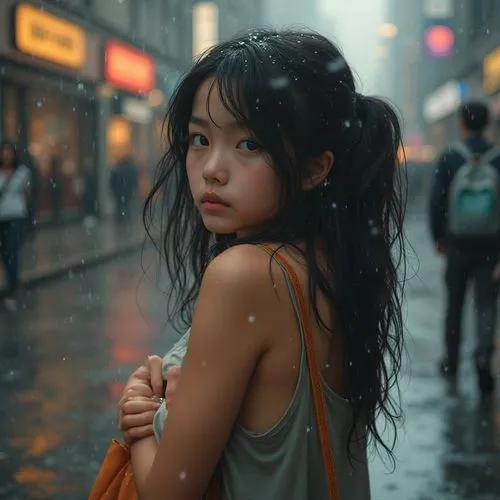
(233, 185)
(7, 155)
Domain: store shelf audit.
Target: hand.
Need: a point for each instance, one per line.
(173, 375)
(136, 418)
(140, 401)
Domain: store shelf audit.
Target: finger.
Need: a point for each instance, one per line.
(142, 373)
(134, 391)
(127, 422)
(139, 389)
(173, 375)
(134, 406)
(154, 365)
(138, 433)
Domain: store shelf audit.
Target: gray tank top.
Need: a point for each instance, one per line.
(285, 463)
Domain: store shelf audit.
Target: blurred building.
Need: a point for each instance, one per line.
(84, 82)
(435, 54)
(399, 54)
(471, 69)
(292, 13)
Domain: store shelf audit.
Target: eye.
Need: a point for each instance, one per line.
(198, 140)
(249, 145)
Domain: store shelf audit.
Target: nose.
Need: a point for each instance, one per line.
(215, 168)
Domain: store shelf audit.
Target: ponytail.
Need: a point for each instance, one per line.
(368, 261)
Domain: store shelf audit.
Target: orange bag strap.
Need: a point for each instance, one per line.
(317, 390)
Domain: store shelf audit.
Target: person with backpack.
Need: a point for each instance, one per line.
(465, 225)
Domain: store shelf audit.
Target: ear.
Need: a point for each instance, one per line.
(317, 170)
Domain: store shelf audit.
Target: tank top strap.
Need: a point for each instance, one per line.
(293, 298)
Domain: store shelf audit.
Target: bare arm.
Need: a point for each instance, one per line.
(223, 352)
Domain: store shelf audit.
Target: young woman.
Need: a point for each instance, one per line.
(271, 143)
(14, 181)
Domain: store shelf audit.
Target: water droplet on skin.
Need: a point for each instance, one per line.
(251, 318)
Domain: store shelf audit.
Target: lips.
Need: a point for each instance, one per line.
(213, 199)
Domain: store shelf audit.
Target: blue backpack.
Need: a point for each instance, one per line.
(474, 197)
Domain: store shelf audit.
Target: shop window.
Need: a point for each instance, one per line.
(10, 106)
(53, 140)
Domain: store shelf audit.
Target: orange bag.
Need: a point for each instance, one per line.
(115, 480)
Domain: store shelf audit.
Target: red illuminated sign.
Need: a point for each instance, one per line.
(439, 40)
(128, 68)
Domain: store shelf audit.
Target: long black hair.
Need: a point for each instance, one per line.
(296, 93)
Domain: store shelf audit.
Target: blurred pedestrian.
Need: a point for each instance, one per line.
(34, 193)
(55, 184)
(14, 185)
(123, 183)
(90, 195)
(465, 225)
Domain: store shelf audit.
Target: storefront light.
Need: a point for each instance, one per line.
(205, 26)
(388, 30)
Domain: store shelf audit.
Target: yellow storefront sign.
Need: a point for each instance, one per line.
(491, 72)
(43, 35)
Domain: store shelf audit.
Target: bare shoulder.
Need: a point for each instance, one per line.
(243, 270)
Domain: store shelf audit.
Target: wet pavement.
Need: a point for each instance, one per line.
(65, 356)
(55, 251)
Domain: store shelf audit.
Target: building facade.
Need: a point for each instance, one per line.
(84, 82)
(471, 71)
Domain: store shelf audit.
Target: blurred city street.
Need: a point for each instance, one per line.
(85, 86)
(65, 358)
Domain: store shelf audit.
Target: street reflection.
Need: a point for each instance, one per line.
(65, 360)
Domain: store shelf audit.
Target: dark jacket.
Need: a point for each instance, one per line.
(446, 168)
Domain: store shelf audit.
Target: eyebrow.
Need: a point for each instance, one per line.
(197, 120)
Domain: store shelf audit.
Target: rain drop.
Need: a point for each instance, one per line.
(335, 65)
(251, 318)
(347, 124)
(308, 428)
(182, 475)
(279, 82)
